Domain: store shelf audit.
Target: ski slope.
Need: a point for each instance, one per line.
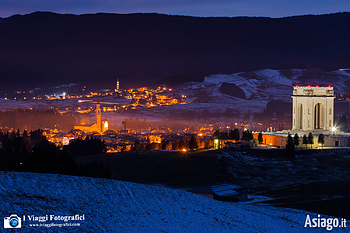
(116, 206)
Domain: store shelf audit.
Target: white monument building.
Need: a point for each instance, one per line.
(313, 108)
(312, 112)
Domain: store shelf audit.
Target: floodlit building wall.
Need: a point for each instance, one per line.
(329, 141)
(272, 140)
(313, 108)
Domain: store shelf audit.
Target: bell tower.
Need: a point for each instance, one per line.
(98, 117)
(116, 86)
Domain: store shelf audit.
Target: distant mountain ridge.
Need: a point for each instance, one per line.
(45, 48)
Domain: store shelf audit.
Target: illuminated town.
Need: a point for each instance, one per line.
(101, 115)
(123, 135)
(232, 120)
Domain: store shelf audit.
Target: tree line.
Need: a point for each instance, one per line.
(293, 142)
(234, 134)
(36, 119)
(183, 144)
(193, 143)
(86, 146)
(134, 124)
(32, 152)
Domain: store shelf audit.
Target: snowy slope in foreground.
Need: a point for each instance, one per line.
(115, 206)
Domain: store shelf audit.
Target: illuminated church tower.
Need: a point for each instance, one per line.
(117, 86)
(100, 126)
(98, 117)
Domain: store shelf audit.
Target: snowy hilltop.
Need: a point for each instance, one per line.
(259, 88)
(101, 205)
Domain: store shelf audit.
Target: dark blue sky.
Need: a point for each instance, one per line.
(270, 8)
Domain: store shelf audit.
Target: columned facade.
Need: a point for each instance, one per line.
(313, 108)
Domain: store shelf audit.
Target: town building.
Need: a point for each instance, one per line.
(99, 127)
(223, 192)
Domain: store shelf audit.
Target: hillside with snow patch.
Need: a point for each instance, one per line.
(116, 206)
(260, 87)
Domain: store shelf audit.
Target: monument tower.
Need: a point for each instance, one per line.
(312, 114)
(313, 108)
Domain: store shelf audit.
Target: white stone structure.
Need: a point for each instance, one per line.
(313, 108)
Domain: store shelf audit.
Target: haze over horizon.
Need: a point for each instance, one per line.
(269, 8)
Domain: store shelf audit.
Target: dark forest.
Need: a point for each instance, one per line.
(35, 119)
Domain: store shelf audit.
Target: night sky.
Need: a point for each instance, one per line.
(269, 8)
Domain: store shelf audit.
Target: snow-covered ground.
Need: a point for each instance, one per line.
(116, 206)
(262, 86)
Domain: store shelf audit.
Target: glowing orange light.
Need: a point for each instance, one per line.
(184, 150)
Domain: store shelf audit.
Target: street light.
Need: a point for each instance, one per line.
(216, 144)
(334, 129)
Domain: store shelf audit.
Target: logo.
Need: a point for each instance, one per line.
(12, 222)
(328, 223)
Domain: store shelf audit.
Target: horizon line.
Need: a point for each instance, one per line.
(180, 15)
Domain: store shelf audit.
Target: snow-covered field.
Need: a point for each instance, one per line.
(116, 206)
(261, 86)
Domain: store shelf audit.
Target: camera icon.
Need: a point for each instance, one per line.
(12, 222)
